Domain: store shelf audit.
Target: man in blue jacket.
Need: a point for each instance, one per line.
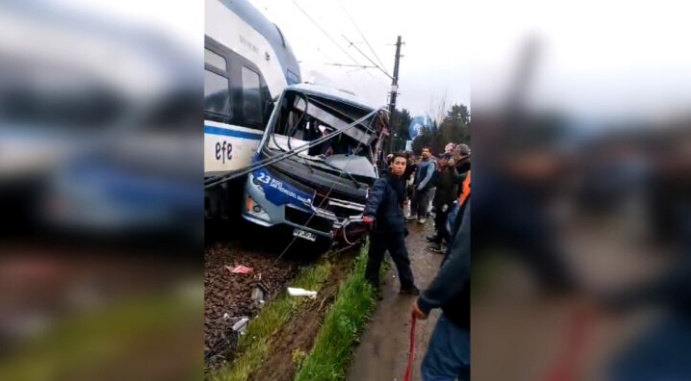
(384, 218)
(423, 187)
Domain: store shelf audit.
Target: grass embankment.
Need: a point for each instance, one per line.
(345, 320)
(254, 346)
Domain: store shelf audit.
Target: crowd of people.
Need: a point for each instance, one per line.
(408, 189)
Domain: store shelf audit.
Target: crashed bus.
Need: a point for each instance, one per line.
(321, 148)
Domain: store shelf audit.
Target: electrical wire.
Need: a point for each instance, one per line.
(262, 163)
(324, 31)
(361, 34)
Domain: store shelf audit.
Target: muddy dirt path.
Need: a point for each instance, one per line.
(383, 351)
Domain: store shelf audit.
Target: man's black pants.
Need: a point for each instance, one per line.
(395, 242)
(440, 224)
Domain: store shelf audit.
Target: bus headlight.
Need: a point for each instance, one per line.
(255, 210)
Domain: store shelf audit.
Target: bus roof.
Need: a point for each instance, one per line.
(330, 93)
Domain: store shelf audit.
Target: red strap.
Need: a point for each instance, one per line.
(566, 366)
(411, 354)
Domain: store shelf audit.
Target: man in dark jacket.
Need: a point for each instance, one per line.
(384, 218)
(448, 180)
(448, 353)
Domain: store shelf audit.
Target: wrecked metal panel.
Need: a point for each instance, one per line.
(355, 165)
(330, 119)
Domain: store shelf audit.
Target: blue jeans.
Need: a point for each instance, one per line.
(448, 353)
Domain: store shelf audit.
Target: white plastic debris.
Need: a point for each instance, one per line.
(301, 292)
(226, 316)
(241, 325)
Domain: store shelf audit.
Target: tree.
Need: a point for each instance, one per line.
(424, 139)
(438, 108)
(453, 127)
(400, 126)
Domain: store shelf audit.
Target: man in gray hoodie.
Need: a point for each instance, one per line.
(423, 185)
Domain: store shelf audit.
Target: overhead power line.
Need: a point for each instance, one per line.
(369, 59)
(323, 31)
(332, 40)
(361, 34)
(349, 65)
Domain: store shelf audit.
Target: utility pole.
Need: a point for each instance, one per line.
(394, 92)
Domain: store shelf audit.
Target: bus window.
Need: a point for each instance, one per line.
(214, 59)
(216, 93)
(251, 97)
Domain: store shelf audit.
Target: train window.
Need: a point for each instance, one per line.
(251, 97)
(216, 93)
(214, 59)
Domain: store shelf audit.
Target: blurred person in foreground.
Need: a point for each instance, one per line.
(663, 350)
(448, 353)
(423, 187)
(445, 194)
(518, 181)
(384, 218)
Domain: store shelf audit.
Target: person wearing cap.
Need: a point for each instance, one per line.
(461, 156)
(448, 180)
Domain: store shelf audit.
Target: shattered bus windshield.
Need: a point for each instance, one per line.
(304, 118)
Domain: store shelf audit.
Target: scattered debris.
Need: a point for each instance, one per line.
(301, 292)
(229, 293)
(259, 291)
(226, 316)
(241, 325)
(239, 269)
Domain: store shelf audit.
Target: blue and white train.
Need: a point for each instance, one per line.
(247, 63)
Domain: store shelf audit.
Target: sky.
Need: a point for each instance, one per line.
(606, 60)
(435, 62)
(611, 60)
(603, 60)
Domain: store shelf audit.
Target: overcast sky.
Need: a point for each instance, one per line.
(601, 59)
(436, 56)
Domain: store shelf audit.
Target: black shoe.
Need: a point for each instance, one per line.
(410, 291)
(432, 239)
